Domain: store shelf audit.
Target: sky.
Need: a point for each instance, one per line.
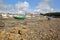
(32, 3)
(35, 6)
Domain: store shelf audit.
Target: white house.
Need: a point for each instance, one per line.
(4, 15)
(10, 15)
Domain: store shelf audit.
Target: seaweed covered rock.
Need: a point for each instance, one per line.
(1, 23)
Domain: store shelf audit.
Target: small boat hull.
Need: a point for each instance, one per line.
(20, 17)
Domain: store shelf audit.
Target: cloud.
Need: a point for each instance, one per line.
(16, 8)
(46, 0)
(0, 1)
(5, 8)
(43, 7)
(22, 6)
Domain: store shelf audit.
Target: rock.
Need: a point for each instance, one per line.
(2, 24)
(13, 36)
(24, 30)
(15, 30)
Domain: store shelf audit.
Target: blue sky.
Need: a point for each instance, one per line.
(55, 4)
(33, 3)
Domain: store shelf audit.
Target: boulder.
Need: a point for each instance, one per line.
(2, 24)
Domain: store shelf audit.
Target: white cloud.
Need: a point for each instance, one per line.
(46, 0)
(5, 8)
(26, 4)
(0, 1)
(44, 7)
(18, 7)
(22, 6)
(14, 8)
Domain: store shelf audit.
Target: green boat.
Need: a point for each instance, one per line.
(20, 17)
